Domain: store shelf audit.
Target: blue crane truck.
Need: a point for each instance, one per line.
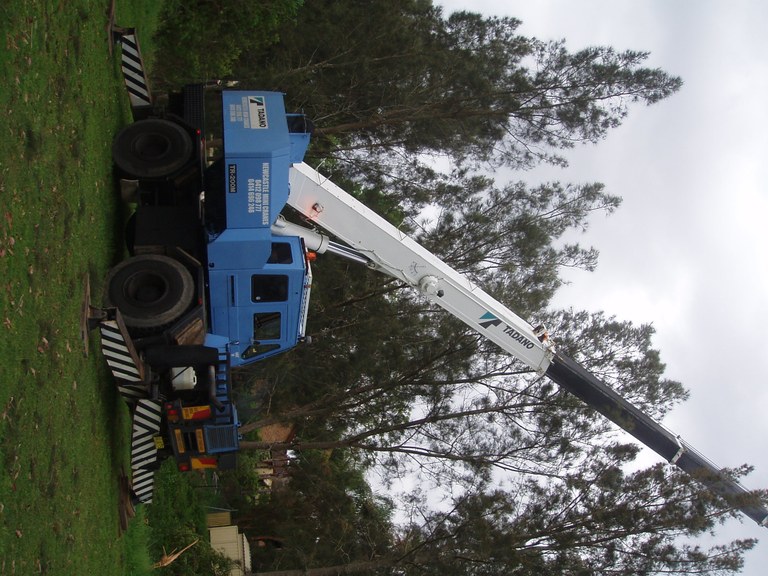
(206, 286)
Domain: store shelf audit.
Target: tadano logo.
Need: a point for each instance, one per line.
(487, 320)
(257, 109)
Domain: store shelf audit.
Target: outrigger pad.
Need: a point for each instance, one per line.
(122, 358)
(134, 75)
(128, 370)
(147, 418)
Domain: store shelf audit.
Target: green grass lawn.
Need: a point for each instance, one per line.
(63, 430)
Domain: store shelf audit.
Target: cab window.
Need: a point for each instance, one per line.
(266, 326)
(269, 288)
(281, 253)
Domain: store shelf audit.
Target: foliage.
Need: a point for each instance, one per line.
(204, 39)
(596, 522)
(395, 80)
(327, 512)
(438, 402)
(177, 518)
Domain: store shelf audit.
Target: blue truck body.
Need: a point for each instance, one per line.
(257, 282)
(207, 287)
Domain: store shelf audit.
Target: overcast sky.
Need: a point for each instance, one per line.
(688, 249)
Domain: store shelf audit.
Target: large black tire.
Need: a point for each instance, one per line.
(151, 291)
(151, 149)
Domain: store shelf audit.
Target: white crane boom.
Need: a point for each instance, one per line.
(385, 248)
(393, 252)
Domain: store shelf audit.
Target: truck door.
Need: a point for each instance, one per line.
(258, 309)
(261, 308)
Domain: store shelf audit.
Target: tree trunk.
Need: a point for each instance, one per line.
(339, 570)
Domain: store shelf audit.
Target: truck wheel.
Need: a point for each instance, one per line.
(151, 148)
(151, 290)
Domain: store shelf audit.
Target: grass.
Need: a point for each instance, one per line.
(63, 430)
(177, 518)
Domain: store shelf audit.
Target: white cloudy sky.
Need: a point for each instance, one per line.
(688, 249)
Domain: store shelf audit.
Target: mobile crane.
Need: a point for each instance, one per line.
(207, 286)
(224, 325)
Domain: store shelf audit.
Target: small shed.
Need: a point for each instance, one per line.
(232, 544)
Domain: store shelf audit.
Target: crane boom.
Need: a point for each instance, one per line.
(389, 250)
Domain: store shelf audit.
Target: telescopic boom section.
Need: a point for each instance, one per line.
(389, 250)
(597, 394)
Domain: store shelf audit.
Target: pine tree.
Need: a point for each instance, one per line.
(402, 77)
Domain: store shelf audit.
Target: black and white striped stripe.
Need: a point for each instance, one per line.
(121, 360)
(133, 71)
(146, 425)
(131, 393)
(147, 418)
(143, 485)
